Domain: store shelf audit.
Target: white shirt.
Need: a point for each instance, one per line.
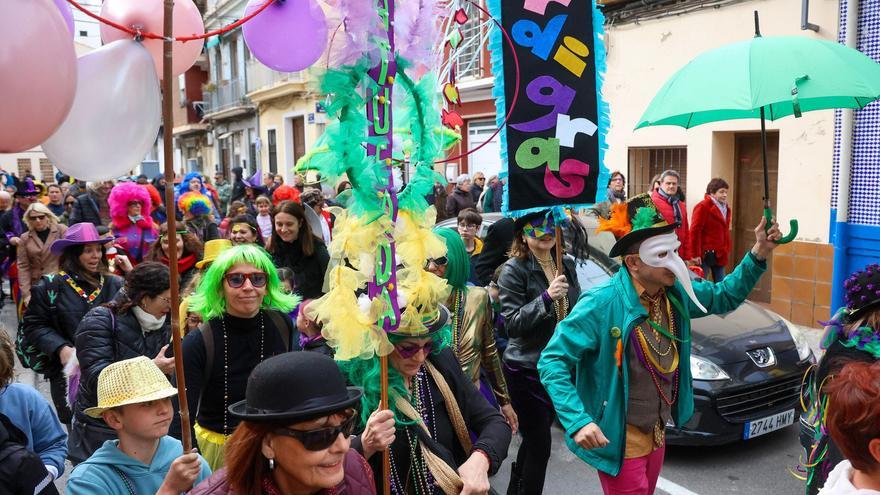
(265, 223)
(839, 482)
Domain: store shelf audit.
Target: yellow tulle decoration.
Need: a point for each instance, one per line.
(348, 329)
(356, 238)
(422, 291)
(416, 243)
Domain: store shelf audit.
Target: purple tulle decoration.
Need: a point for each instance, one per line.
(417, 29)
(357, 37)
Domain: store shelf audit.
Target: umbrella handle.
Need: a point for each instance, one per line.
(768, 214)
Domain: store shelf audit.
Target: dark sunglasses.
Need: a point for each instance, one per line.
(407, 351)
(37, 217)
(441, 261)
(236, 280)
(320, 438)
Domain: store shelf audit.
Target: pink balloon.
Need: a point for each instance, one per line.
(64, 7)
(37, 73)
(148, 16)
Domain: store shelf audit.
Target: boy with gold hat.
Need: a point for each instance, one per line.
(134, 398)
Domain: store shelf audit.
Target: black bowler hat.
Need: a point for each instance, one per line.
(293, 387)
(634, 222)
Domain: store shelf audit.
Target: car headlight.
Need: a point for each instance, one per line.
(800, 340)
(703, 369)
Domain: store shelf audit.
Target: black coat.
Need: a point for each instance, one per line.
(86, 209)
(528, 320)
(457, 201)
(308, 271)
(21, 470)
(49, 330)
(100, 342)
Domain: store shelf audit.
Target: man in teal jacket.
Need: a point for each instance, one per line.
(628, 343)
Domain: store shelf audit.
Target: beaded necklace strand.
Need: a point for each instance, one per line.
(226, 368)
(457, 318)
(73, 285)
(423, 401)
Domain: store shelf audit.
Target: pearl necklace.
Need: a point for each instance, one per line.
(226, 368)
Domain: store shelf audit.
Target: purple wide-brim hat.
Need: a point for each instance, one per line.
(79, 233)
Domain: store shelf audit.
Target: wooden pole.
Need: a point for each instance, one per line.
(167, 140)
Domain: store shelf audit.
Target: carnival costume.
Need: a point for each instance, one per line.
(629, 350)
(848, 337)
(133, 234)
(219, 357)
(200, 222)
(530, 318)
(473, 338)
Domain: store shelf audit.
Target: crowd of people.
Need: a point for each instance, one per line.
(515, 346)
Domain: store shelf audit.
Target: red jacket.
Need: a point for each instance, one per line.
(710, 231)
(668, 213)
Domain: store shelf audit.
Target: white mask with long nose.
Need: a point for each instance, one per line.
(662, 252)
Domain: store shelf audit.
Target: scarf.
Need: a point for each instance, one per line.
(616, 196)
(148, 322)
(184, 264)
(674, 201)
(721, 207)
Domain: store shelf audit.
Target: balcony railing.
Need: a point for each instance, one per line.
(262, 77)
(227, 94)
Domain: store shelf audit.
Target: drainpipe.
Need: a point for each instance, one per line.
(844, 176)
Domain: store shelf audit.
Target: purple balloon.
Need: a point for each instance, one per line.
(289, 36)
(64, 8)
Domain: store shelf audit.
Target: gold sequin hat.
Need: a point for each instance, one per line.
(131, 381)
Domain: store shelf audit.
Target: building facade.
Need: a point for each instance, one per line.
(233, 138)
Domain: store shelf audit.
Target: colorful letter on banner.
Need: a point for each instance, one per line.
(554, 141)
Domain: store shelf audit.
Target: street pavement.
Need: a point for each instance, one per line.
(759, 466)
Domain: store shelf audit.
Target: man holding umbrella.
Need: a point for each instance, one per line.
(625, 340)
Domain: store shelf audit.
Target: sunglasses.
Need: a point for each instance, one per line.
(407, 351)
(320, 438)
(441, 261)
(37, 217)
(236, 280)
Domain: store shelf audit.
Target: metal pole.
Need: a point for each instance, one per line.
(764, 161)
(167, 125)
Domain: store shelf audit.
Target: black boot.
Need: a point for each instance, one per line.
(515, 485)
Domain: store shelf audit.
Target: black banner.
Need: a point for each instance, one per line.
(553, 136)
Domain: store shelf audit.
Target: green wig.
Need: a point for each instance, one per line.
(366, 373)
(458, 265)
(208, 299)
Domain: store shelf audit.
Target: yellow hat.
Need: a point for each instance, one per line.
(213, 248)
(131, 381)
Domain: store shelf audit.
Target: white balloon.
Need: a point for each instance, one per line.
(115, 116)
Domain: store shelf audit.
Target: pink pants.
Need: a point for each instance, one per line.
(638, 476)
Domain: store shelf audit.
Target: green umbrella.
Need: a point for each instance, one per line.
(765, 78)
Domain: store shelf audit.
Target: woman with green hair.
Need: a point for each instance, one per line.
(244, 309)
(473, 338)
(434, 408)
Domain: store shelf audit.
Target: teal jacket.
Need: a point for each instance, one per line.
(97, 473)
(585, 343)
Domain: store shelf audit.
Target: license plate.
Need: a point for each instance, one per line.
(758, 427)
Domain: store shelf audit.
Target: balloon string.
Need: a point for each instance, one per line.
(154, 36)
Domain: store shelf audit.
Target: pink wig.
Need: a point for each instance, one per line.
(124, 193)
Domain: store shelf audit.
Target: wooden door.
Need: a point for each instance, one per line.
(299, 138)
(748, 205)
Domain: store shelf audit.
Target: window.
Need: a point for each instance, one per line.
(645, 163)
(233, 58)
(84, 34)
(47, 171)
(24, 166)
(273, 151)
(181, 85)
(469, 62)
